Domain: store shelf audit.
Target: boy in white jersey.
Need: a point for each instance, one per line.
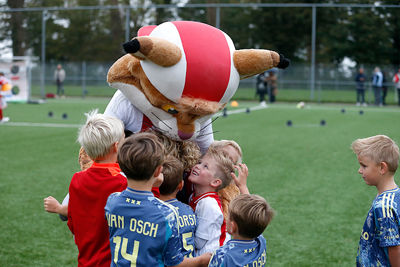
(248, 217)
(143, 229)
(173, 182)
(380, 239)
(210, 175)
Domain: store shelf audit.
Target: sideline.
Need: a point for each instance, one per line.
(35, 124)
(333, 107)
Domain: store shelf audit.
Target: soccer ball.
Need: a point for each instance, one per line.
(234, 104)
(300, 105)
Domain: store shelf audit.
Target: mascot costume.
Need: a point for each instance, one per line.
(175, 76)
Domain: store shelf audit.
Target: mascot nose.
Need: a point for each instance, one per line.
(132, 46)
(184, 136)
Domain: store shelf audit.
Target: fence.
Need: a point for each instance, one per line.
(332, 83)
(308, 81)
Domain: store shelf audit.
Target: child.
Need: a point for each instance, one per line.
(232, 190)
(143, 229)
(88, 190)
(380, 242)
(210, 175)
(248, 217)
(173, 182)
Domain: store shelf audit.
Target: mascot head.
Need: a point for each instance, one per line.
(180, 73)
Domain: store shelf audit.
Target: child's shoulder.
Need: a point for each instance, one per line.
(114, 196)
(166, 209)
(180, 206)
(209, 200)
(387, 201)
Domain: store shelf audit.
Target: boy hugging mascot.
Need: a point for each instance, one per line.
(175, 76)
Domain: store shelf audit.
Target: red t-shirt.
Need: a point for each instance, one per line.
(88, 193)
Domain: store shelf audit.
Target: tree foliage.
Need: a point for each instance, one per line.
(367, 35)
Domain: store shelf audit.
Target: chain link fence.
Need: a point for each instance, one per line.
(332, 83)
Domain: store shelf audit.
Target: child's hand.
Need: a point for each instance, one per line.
(52, 205)
(205, 259)
(241, 179)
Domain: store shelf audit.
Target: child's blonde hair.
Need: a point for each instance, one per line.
(378, 148)
(99, 133)
(224, 166)
(251, 213)
(220, 144)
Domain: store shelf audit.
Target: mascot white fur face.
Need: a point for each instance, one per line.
(180, 73)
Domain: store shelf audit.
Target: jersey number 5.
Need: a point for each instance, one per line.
(187, 246)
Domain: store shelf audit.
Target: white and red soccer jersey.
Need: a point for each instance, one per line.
(211, 228)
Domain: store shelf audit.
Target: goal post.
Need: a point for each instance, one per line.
(18, 71)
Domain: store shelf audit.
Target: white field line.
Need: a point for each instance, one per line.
(230, 112)
(34, 124)
(237, 111)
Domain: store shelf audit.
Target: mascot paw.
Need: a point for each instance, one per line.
(283, 62)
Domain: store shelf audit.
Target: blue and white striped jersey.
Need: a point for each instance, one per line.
(381, 230)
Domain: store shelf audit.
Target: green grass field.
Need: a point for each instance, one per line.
(307, 172)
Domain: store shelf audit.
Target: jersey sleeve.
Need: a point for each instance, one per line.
(209, 222)
(121, 108)
(387, 222)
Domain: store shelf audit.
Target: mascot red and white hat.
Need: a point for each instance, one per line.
(206, 68)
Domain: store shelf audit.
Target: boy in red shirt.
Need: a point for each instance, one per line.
(89, 189)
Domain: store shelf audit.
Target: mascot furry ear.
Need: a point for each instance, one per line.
(180, 73)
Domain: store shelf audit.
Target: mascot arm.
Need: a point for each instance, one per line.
(121, 108)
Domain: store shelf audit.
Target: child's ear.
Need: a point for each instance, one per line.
(216, 183)
(158, 171)
(115, 147)
(383, 168)
(232, 227)
(180, 185)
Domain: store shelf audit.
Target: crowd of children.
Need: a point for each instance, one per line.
(118, 220)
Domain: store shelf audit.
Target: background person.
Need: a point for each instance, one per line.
(396, 81)
(5, 85)
(262, 87)
(272, 81)
(59, 77)
(377, 81)
(360, 89)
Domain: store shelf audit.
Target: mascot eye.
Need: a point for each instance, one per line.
(170, 109)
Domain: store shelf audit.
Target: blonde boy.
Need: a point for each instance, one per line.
(380, 239)
(210, 175)
(89, 189)
(232, 190)
(248, 217)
